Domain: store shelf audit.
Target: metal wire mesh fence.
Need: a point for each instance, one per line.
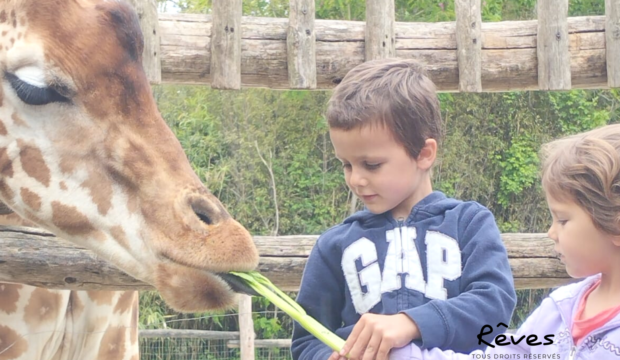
(185, 349)
(203, 349)
(174, 341)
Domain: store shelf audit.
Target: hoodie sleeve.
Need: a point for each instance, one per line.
(487, 295)
(321, 296)
(531, 325)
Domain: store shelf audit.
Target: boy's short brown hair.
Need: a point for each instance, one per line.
(585, 168)
(395, 93)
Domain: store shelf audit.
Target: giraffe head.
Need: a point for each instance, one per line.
(85, 153)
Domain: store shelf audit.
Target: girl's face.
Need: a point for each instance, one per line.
(583, 248)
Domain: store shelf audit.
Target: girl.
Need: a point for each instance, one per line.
(581, 180)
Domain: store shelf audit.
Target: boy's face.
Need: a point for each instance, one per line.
(584, 249)
(380, 171)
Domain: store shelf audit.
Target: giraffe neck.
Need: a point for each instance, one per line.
(49, 324)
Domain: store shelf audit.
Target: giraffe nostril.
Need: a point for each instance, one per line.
(205, 210)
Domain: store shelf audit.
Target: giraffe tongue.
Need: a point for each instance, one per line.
(237, 284)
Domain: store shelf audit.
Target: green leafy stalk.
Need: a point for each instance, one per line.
(263, 286)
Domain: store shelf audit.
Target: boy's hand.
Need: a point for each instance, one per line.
(375, 335)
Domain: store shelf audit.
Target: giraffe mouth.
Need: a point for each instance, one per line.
(237, 285)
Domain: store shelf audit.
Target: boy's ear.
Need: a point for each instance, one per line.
(427, 155)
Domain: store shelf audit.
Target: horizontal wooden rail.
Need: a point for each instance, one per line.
(35, 257)
(190, 334)
(508, 51)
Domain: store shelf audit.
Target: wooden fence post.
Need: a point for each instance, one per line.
(246, 328)
(612, 42)
(300, 45)
(226, 44)
(469, 44)
(379, 33)
(552, 45)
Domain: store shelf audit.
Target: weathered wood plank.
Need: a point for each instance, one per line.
(612, 41)
(190, 334)
(226, 44)
(469, 45)
(262, 343)
(379, 30)
(38, 258)
(554, 72)
(300, 45)
(509, 48)
(149, 24)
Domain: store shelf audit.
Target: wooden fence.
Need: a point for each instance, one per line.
(36, 257)
(227, 50)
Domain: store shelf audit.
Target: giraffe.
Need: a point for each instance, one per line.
(85, 154)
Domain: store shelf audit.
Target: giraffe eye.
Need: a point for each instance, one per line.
(34, 95)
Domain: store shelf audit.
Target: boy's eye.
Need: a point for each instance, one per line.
(346, 166)
(372, 166)
(562, 222)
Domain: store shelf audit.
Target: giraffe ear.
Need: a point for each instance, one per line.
(5, 210)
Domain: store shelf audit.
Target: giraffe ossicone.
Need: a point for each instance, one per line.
(85, 153)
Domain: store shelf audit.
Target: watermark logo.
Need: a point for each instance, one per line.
(502, 340)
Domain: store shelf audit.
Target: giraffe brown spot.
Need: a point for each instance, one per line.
(2, 16)
(112, 344)
(6, 165)
(43, 307)
(33, 163)
(22, 21)
(32, 218)
(2, 129)
(4, 33)
(12, 345)
(125, 301)
(12, 41)
(5, 190)
(9, 295)
(70, 220)
(100, 191)
(101, 297)
(68, 165)
(99, 236)
(119, 235)
(63, 186)
(17, 120)
(97, 324)
(31, 199)
(133, 201)
(15, 220)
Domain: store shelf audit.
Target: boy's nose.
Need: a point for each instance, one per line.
(357, 179)
(551, 233)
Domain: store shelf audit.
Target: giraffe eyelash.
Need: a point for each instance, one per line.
(34, 95)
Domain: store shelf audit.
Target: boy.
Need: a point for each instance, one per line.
(414, 265)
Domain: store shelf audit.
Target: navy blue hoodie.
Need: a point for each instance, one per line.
(445, 266)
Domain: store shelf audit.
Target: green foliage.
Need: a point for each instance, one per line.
(519, 169)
